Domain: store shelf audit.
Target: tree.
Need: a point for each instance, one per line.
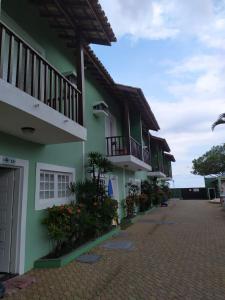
(210, 163)
(220, 120)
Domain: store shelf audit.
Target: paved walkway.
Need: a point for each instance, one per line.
(184, 260)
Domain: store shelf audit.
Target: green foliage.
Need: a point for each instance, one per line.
(147, 189)
(97, 166)
(152, 194)
(156, 193)
(166, 189)
(130, 201)
(125, 223)
(132, 198)
(144, 203)
(210, 163)
(86, 192)
(107, 212)
(59, 224)
(90, 216)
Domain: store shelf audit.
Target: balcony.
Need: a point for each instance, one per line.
(126, 152)
(168, 172)
(157, 170)
(36, 96)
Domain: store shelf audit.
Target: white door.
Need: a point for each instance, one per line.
(6, 213)
(115, 187)
(111, 133)
(111, 129)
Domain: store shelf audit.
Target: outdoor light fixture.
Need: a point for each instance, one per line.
(28, 130)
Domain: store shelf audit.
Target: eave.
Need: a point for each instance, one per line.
(136, 97)
(161, 142)
(169, 156)
(77, 19)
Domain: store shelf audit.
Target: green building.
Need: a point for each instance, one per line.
(161, 158)
(215, 187)
(57, 104)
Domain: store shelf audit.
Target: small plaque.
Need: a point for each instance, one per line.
(6, 160)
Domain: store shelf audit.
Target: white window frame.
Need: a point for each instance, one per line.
(45, 203)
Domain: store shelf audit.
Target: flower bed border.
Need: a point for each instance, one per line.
(47, 263)
(66, 259)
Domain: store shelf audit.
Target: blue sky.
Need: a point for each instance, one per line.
(175, 51)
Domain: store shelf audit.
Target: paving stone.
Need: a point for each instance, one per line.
(181, 262)
(119, 245)
(156, 222)
(122, 234)
(89, 258)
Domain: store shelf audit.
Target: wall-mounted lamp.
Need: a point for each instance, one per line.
(28, 130)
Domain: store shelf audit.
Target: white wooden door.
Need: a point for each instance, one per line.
(111, 129)
(6, 212)
(111, 132)
(114, 180)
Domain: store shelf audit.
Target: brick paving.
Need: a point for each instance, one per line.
(181, 258)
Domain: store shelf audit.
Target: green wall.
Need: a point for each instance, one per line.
(135, 126)
(69, 155)
(36, 31)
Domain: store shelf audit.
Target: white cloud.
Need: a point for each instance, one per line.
(162, 19)
(199, 77)
(139, 19)
(186, 121)
(196, 84)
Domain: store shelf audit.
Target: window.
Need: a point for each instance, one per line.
(47, 186)
(52, 185)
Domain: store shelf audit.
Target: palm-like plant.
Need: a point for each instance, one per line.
(220, 120)
(93, 189)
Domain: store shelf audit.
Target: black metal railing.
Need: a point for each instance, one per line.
(25, 68)
(121, 145)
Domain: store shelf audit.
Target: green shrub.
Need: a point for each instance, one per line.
(130, 201)
(143, 202)
(90, 216)
(60, 225)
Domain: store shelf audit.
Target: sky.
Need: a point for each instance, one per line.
(175, 52)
